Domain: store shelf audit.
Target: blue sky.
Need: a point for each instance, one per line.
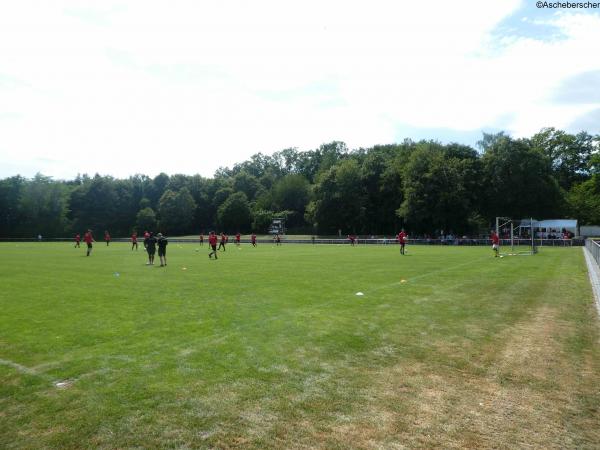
(185, 87)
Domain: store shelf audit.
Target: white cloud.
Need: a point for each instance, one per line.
(189, 86)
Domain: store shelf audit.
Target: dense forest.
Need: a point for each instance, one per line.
(425, 187)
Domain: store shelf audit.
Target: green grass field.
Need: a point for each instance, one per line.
(269, 347)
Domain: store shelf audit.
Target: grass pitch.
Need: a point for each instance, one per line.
(270, 347)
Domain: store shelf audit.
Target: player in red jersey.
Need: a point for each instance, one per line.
(253, 239)
(88, 239)
(134, 241)
(212, 242)
(495, 243)
(107, 237)
(223, 241)
(402, 238)
(237, 239)
(77, 240)
(201, 239)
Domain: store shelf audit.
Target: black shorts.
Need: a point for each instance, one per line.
(162, 252)
(89, 244)
(214, 247)
(151, 251)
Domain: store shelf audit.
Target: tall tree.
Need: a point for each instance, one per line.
(488, 140)
(93, 204)
(570, 154)
(518, 182)
(11, 190)
(246, 183)
(292, 193)
(438, 188)
(145, 220)
(234, 214)
(176, 211)
(126, 208)
(338, 199)
(43, 206)
(584, 198)
(178, 182)
(157, 188)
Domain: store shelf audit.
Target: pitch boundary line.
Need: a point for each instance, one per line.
(21, 368)
(425, 275)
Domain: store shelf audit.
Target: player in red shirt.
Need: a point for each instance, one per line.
(212, 242)
(88, 239)
(237, 239)
(77, 240)
(495, 243)
(402, 238)
(201, 239)
(134, 241)
(107, 238)
(253, 239)
(223, 241)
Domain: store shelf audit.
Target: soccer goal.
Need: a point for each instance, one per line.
(520, 234)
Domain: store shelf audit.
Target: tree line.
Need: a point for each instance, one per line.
(426, 187)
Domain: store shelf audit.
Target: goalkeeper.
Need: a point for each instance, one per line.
(495, 244)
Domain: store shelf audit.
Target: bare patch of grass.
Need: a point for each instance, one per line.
(529, 397)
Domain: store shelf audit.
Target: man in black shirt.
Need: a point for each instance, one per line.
(162, 249)
(150, 244)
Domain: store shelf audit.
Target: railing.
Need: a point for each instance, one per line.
(594, 247)
(374, 241)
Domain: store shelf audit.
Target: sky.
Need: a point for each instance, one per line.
(119, 88)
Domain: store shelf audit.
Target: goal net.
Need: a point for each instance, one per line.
(518, 235)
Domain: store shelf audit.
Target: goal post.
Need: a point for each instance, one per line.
(520, 233)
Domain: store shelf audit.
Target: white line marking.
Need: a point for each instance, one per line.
(20, 368)
(427, 274)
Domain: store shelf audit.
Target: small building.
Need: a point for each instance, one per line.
(589, 231)
(551, 228)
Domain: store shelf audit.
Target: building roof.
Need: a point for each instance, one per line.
(556, 223)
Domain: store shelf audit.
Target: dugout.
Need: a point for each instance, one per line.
(544, 229)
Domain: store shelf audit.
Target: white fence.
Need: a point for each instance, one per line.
(589, 230)
(594, 248)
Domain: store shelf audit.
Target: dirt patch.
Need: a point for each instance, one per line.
(528, 395)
